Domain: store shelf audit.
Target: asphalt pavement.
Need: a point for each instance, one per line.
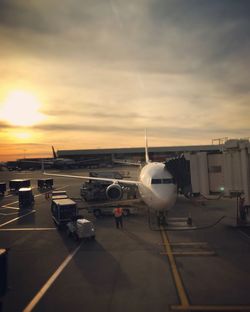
(134, 269)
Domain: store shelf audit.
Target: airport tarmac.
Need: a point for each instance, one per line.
(134, 269)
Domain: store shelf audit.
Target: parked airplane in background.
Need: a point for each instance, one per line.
(62, 162)
(156, 185)
(57, 162)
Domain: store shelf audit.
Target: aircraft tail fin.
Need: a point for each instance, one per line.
(54, 152)
(146, 147)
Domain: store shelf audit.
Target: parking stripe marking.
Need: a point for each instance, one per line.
(177, 279)
(191, 253)
(211, 308)
(50, 281)
(37, 195)
(28, 229)
(9, 207)
(185, 305)
(32, 211)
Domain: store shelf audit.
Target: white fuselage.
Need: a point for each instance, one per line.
(157, 187)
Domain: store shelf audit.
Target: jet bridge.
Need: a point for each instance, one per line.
(226, 172)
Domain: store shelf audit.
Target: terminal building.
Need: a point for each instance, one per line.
(135, 154)
(213, 169)
(208, 169)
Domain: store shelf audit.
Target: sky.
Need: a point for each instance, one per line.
(85, 74)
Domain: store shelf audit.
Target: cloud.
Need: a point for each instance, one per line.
(180, 68)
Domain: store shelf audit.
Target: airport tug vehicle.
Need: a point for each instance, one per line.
(81, 228)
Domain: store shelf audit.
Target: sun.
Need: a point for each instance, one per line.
(23, 135)
(21, 109)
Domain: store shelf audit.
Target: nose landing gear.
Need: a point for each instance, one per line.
(159, 220)
(162, 218)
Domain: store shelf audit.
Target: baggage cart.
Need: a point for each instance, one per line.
(63, 211)
(26, 198)
(44, 184)
(2, 188)
(16, 184)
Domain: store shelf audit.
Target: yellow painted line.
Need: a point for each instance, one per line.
(177, 279)
(191, 253)
(13, 220)
(211, 308)
(189, 244)
(50, 281)
(28, 229)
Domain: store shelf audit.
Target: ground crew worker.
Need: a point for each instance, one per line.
(243, 211)
(47, 194)
(118, 217)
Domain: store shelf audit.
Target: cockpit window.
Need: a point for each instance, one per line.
(162, 181)
(156, 181)
(167, 181)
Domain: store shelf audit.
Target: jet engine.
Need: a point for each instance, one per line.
(114, 192)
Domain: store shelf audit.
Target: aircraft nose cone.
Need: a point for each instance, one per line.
(166, 197)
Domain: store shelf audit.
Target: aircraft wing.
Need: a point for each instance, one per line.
(121, 181)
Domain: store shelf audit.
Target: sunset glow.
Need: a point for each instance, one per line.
(21, 109)
(23, 135)
(96, 75)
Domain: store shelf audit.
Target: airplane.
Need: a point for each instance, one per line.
(59, 163)
(62, 162)
(155, 184)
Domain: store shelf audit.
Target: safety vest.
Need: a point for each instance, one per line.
(118, 212)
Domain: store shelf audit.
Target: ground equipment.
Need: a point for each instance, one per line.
(2, 188)
(81, 229)
(59, 195)
(3, 272)
(63, 211)
(45, 184)
(26, 198)
(16, 184)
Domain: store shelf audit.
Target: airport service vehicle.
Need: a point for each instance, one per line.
(94, 191)
(81, 229)
(63, 211)
(156, 186)
(59, 195)
(26, 198)
(44, 184)
(3, 272)
(2, 188)
(16, 184)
